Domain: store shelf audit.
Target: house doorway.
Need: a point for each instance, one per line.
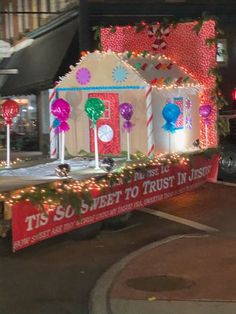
(108, 125)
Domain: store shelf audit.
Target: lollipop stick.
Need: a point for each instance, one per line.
(128, 147)
(62, 147)
(96, 147)
(206, 134)
(59, 146)
(169, 142)
(8, 146)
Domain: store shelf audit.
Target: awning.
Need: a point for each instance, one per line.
(40, 64)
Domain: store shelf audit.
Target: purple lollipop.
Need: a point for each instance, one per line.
(205, 110)
(128, 125)
(126, 110)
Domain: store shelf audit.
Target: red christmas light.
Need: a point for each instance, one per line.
(234, 94)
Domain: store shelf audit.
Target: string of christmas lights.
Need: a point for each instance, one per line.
(71, 192)
(16, 162)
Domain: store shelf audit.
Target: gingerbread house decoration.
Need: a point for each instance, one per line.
(146, 81)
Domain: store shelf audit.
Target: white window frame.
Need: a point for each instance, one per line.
(222, 52)
(107, 111)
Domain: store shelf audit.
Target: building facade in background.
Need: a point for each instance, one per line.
(19, 19)
(22, 16)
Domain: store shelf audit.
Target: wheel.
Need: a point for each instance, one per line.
(87, 232)
(227, 165)
(117, 222)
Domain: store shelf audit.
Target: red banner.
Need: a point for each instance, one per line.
(30, 226)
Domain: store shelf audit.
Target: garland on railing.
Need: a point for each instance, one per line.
(72, 192)
(165, 23)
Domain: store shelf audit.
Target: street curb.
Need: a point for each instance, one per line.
(225, 183)
(99, 302)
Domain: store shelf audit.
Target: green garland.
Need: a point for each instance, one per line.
(37, 195)
(164, 23)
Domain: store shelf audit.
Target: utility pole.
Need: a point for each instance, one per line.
(84, 27)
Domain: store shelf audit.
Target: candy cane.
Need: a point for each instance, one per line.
(149, 123)
(152, 30)
(53, 136)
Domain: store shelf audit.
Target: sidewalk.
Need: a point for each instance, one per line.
(179, 275)
(19, 154)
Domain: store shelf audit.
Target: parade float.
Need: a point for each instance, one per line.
(143, 112)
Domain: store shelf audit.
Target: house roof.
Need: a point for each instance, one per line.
(157, 69)
(107, 70)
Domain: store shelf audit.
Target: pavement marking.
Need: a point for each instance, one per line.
(225, 183)
(180, 220)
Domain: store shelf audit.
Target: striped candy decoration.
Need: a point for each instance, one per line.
(53, 136)
(149, 123)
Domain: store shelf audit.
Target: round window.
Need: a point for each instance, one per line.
(105, 133)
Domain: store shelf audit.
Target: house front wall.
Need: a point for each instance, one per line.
(187, 125)
(79, 137)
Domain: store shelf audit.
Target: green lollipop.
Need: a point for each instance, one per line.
(94, 108)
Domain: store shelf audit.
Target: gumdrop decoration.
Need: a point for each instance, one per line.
(119, 74)
(83, 76)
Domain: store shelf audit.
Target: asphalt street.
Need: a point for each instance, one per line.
(57, 275)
